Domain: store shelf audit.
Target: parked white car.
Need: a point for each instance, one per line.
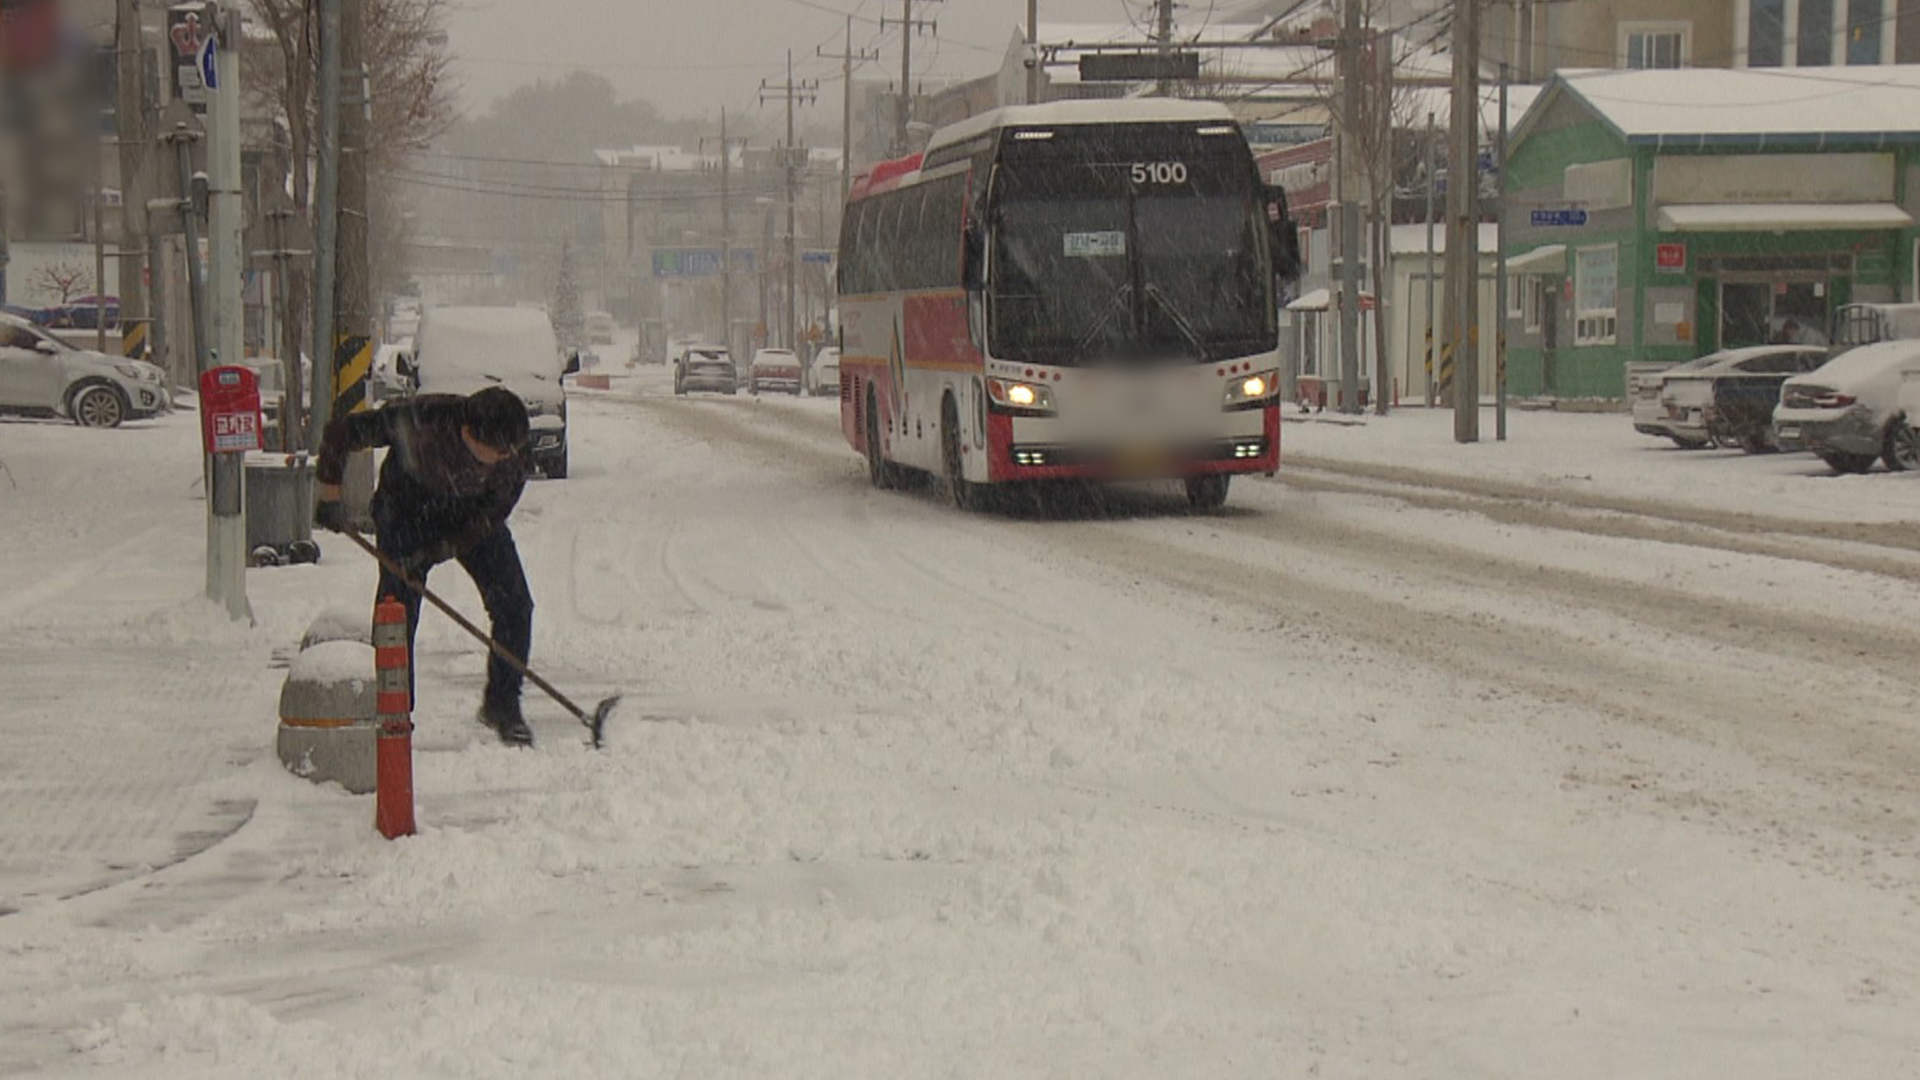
(40, 375)
(1849, 411)
(823, 378)
(1729, 399)
(1649, 413)
(461, 350)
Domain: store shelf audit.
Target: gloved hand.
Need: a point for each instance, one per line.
(331, 515)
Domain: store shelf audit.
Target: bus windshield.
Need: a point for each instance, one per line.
(1128, 261)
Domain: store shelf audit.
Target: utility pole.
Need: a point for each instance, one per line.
(726, 232)
(1349, 91)
(1433, 167)
(353, 326)
(1500, 272)
(1163, 36)
(1463, 226)
(226, 266)
(99, 239)
(1033, 52)
(847, 57)
(226, 261)
(183, 138)
(790, 157)
(909, 26)
(1380, 199)
(139, 318)
(326, 218)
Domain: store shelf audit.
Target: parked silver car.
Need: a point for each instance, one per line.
(1849, 413)
(40, 375)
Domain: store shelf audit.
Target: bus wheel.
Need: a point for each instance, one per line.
(966, 496)
(1207, 492)
(879, 473)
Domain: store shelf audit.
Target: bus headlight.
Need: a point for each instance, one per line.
(1010, 395)
(1252, 391)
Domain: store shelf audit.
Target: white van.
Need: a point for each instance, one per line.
(461, 350)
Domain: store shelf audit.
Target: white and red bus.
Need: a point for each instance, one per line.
(1074, 291)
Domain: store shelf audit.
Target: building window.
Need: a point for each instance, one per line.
(1766, 32)
(1654, 45)
(1536, 302)
(1866, 22)
(1596, 295)
(1815, 38)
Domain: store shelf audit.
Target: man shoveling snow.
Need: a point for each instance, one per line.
(454, 471)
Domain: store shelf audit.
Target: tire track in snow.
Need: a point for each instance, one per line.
(1646, 519)
(1856, 776)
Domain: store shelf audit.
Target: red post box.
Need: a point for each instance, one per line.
(230, 410)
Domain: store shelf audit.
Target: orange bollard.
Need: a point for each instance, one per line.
(393, 763)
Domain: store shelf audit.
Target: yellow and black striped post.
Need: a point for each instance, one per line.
(133, 340)
(1445, 388)
(352, 367)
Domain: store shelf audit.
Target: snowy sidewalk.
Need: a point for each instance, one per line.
(1600, 454)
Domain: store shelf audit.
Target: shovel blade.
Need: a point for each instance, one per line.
(597, 726)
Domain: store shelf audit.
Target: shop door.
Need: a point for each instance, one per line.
(1549, 337)
(1706, 316)
(1800, 313)
(1746, 312)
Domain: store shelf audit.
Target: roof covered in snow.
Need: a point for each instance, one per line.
(1749, 106)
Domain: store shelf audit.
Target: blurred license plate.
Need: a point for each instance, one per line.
(1789, 431)
(1142, 459)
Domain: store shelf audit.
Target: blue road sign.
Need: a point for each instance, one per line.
(209, 66)
(1566, 217)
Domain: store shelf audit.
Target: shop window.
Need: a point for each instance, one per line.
(1596, 295)
(1866, 22)
(1815, 39)
(1766, 32)
(1654, 45)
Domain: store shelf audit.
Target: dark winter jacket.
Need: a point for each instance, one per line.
(435, 499)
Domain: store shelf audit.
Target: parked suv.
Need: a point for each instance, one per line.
(1730, 398)
(40, 375)
(461, 350)
(1848, 412)
(705, 367)
(774, 369)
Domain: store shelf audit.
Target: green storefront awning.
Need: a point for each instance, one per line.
(1782, 217)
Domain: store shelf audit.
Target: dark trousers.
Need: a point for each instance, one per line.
(494, 566)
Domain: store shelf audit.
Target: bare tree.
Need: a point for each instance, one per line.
(412, 97)
(66, 279)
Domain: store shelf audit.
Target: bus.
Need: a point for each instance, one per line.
(1078, 291)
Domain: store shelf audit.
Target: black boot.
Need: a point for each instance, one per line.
(503, 716)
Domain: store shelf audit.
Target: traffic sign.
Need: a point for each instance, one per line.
(1561, 218)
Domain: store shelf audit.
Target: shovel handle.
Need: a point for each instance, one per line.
(447, 609)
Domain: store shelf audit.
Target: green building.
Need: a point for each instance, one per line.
(1661, 215)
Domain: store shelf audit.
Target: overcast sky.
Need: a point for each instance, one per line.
(690, 57)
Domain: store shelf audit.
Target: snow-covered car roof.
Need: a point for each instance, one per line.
(1716, 363)
(1865, 362)
(460, 350)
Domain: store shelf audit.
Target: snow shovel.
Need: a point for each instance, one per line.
(596, 721)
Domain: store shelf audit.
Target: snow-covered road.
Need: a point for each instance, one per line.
(1433, 772)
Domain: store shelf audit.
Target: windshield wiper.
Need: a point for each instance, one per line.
(1180, 321)
(1118, 303)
